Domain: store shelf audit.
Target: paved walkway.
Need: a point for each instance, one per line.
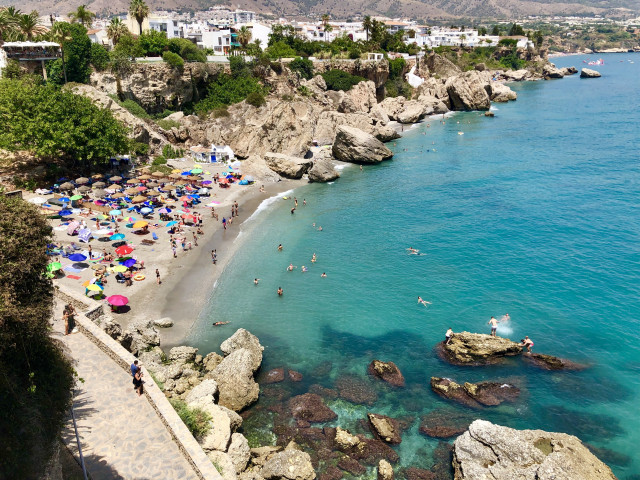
(120, 433)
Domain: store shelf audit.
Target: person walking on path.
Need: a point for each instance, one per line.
(134, 368)
(494, 325)
(137, 382)
(158, 277)
(224, 222)
(214, 257)
(69, 318)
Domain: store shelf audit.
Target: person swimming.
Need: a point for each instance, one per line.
(280, 292)
(255, 281)
(423, 302)
(413, 251)
(323, 275)
(217, 324)
(291, 267)
(280, 247)
(313, 258)
(304, 269)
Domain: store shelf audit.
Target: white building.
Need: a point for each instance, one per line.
(213, 154)
(99, 35)
(218, 40)
(258, 32)
(159, 23)
(242, 16)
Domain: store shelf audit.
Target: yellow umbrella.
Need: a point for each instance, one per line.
(120, 268)
(140, 224)
(94, 288)
(175, 170)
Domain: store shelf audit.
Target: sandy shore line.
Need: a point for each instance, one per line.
(188, 288)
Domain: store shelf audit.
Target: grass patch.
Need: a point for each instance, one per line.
(168, 124)
(197, 421)
(158, 382)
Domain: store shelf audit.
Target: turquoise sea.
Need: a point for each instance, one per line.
(535, 212)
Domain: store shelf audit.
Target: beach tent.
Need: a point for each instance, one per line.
(72, 228)
(84, 235)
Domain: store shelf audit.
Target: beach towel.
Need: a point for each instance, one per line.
(73, 277)
(69, 268)
(154, 236)
(72, 228)
(84, 235)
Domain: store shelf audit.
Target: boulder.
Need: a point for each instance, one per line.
(467, 92)
(243, 339)
(219, 434)
(224, 464)
(387, 429)
(310, 407)
(501, 453)
(392, 106)
(588, 73)
(239, 452)
(499, 92)
(323, 171)
(363, 96)
(355, 146)
(569, 71)
(477, 349)
(164, 322)
(140, 336)
(481, 67)
(516, 75)
(412, 112)
(385, 470)
(113, 329)
(175, 116)
(275, 376)
(386, 133)
(234, 376)
(206, 388)
(351, 465)
(387, 371)
(174, 371)
(548, 362)
(290, 464)
(294, 376)
(260, 455)
(250, 475)
(183, 354)
(211, 361)
(378, 114)
(475, 395)
(550, 71)
(287, 165)
(370, 451)
(344, 440)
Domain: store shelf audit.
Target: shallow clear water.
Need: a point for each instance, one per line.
(533, 212)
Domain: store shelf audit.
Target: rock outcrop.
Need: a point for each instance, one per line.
(550, 71)
(290, 464)
(355, 146)
(475, 395)
(569, 71)
(286, 165)
(588, 73)
(219, 435)
(499, 92)
(387, 371)
(548, 362)
(385, 470)
(467, 92)
(501, 453)
(323, 170)
(140, 336)
(386, 429)
(477, 349)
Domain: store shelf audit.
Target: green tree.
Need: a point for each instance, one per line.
(244, 37)
(340, 80)
(77, 54)
(116, 30)
(495, 31)
(188, 50)
(253, 49)
(99, 57)
(153, 43)
(280, 50)
(302, 66)
(36, 378)
(54, 123)
(516, 30)
(139, 10)
(82, 15)
(174, 60)
(482, 31)
(29, 25)
(7, 25)
(366, 24)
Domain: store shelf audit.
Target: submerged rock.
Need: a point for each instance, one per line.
(351, 465)
(356, 390)
(475, 395)
(413, 473)
(274, 376)
(501, 453)
(588, 73)
(547, 362)
(387, 371)
(311, 407)
(477, 349)
(356, 146)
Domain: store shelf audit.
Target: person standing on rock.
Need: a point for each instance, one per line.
(527, 343)
(494, 325)
(448, 336)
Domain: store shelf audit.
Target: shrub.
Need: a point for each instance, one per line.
(196, 420)
(396, 67)
(508, 42)
(280, 50)
(226, 90)
(99, 57)
(169, 152)
(168, 124)
(12, 70)
(188, 50)
(256, 99)
(276, 67)
(174, 60)
(153, 42)
(159, 160)
(302, 66)
(134, 109)
(304, 91)
(141, 149)
(220, 112)
(340, 80)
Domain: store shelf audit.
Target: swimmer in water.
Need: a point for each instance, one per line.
(320, 228)
(255, 281)
(217, 324)
(413, 251)
(313, 224)
(505, 318)
(323, 275)
(280, 247)
(280, 292)
(291, 267)
(423, 302)
(304, 269)
(314, 258)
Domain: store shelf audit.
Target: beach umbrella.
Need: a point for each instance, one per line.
(144, 177)
(140, 224)
(97, 176)
(131, 191)
(118, 244)
(249, 178)
(77, 257)
(184, 174)
(66, 186)
(64, 199)
(80, 265)
(99, 193)
(117, 236)
(65, 213)
(165, 210)
(170, 187)
(37, 200)
(115, 179)
(152, 184)
(141, 189)
(99, 185)
(207, 182)
(124, 250)
(138, 199)
(76, 197)
(117, 195)
(158, 174)
(171, 223)
(196, 170)
(84, 189)
(145, 210)
(82, 180)
(130, 262)
(119, 268)
(94, 287)
(117, 300)
(54, 267)
(130, 219)
(132, 181)
(212, 204)
(115, 212)
(174, 176)
(152, 194)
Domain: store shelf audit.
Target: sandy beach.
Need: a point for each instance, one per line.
(186, 281)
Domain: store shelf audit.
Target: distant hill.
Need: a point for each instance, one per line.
(340, 9)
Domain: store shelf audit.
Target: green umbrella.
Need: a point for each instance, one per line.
(196, 170)
(76, 197)
(54, 266)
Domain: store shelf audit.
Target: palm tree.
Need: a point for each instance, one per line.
(115, 30)
(139, 10)
(325, 19)
(28, 25)
(82, 15)
(244, 37)
(463, 37)
(366, 24)
(59, 35)
(7, 24)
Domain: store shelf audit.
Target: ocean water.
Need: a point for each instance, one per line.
(534, 212)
